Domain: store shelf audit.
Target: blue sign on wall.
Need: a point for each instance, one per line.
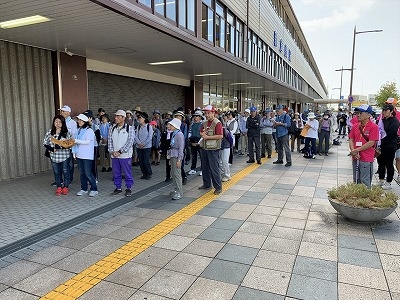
(282, 47)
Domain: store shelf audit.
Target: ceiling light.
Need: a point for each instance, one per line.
(240, 83)
(269, 91)
(254, 87)
(166, 62)
(211, 74)
(23, 21)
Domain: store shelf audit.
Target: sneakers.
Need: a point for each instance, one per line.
(172, 193)
(103, 169)
(240, 154)
(278, 162)
(128, 192)
(93, 193)
(259, 162)
(288, 164)
(81, 193)
(225, 179)
(168, 179)
(192, 172)
(116, 192)
(201, 173)
(250, 161)
(313, 156)
(65, 191)
(177, 196)
(109, 169)
(58, 191)
(386, 185)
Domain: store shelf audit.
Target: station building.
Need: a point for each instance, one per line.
(156, 54)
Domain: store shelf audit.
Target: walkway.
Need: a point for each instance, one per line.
(271, 234)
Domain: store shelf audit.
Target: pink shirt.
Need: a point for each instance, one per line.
(371, 131)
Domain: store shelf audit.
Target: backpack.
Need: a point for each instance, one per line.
(227, 138)
(292, 129)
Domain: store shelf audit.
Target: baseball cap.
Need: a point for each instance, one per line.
(65, 108)
(88, 113)
(156, 111)
(247, 110)
(253, 108)
(279, 106)
(364, 108)
(391, 101)
(120, 112)
(83, 117)
(198, 113)
(209, 108)
(388, 107)
(153, 123)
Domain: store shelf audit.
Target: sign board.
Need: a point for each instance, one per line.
(350, 99)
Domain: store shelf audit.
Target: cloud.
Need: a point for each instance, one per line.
(342, 12)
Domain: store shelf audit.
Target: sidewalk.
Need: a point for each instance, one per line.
(271, 234)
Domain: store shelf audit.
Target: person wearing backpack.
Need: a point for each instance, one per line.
(143, 141)
(120, 148)
(253, 135)
(295, 128)
(324, 133)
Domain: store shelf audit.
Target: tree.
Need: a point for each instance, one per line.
(387, 90)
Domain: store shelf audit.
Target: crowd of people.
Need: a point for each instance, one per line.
(134, 138)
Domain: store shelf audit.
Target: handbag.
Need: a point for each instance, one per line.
(47, 153)
(377, 149)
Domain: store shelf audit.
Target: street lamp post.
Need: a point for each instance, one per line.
(341, 79)
(352, 57)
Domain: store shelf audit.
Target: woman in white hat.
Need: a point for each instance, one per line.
(83, 151)
(175, 155)
(311, 136)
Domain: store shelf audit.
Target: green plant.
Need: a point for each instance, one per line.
(359, 195)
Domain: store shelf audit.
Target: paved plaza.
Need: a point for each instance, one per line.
(271, 234)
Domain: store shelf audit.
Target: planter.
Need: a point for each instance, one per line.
(361, 214)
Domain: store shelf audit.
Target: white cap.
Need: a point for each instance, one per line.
(247, 110)
(176, 123)
(83, 117)
(120, 112)
(65, 108)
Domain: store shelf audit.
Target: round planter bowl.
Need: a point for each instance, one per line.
(361, 214)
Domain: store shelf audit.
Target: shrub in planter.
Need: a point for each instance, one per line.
(359, 203)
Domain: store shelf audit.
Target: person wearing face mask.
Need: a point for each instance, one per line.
(324, 133)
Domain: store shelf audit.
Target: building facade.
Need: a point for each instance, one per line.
(158, 54)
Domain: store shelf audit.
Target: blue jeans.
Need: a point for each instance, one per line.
(61, 170)
(86, 174)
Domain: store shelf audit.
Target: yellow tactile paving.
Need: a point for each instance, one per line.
(84, 281)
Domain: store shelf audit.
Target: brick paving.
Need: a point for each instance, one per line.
(272, 235)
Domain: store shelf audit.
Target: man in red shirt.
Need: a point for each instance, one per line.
(363, 137)
(211, 133)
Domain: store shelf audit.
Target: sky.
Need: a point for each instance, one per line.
(328, 26)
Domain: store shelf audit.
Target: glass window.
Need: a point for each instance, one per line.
(145, 2)
(207, 2)
(159, 6)
(207, 21)
(171, 9)
(182, 13)
(220, 25)
(230, 37)
(239, 39)
(191, 14)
